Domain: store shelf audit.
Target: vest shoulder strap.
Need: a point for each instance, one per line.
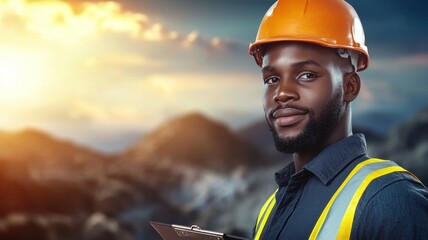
(336, 220)
(264, 214)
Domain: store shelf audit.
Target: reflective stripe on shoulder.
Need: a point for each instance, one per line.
(264, 214)
(335, 222)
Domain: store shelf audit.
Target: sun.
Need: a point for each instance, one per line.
(20, 76)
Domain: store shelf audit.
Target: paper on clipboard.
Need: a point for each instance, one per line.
(177, 232)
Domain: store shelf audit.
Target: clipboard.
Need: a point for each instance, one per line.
(178, 232)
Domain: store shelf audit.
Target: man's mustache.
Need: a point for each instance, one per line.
(272, 112)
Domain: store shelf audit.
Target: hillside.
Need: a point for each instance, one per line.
(407, 144)
(193, 140)
(190, 170)
(46, 156)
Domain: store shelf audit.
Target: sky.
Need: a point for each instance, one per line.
(104, 73)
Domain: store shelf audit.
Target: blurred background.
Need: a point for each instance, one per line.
(114, 113)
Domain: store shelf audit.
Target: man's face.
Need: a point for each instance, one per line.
(303, 95)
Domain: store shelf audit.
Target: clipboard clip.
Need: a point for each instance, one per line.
(195, 227)
(196, 232)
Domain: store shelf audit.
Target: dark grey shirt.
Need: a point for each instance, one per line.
(394, 206)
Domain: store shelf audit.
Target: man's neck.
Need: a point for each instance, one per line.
(304, 157)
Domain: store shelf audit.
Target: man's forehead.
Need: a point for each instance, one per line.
(298, 51)
(299, 47)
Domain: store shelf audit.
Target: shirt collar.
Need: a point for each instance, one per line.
(327, 164)
(333, 159)
(283, 176)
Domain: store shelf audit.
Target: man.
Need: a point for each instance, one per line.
(310, 52)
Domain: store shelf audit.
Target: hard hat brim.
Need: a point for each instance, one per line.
(363, 63)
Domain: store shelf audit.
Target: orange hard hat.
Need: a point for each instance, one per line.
(330, 23)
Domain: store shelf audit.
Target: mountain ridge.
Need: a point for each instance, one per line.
(37, 144)
(196, 140)
(128, 191)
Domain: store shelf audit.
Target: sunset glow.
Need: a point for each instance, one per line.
(21, 76)
(98, 63)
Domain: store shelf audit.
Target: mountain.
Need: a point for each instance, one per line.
(377, 122)
(198, 166)
(260, 136)
(56, 189)
(407, 144)
(258, 133)
(190, 170)
(193, 140)
(45, 177)
(45, 156)
(39, 172)
(39, 146)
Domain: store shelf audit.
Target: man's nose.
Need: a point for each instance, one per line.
(286, 90)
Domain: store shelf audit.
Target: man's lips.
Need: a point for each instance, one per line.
(285, 117)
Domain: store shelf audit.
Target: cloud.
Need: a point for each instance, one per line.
(59, 21)
(365, 93)
(375, 92)
(210, 44)
(208, 93)
(118, 60)
(400, 63)
(414, 60)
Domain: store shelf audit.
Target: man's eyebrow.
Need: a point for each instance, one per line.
(306, 63)
(269, 68)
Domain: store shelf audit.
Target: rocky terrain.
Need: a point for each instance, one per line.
(191, 170)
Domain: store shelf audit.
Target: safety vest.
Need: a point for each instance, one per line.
(335, 221)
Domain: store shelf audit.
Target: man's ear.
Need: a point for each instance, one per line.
(351, 86)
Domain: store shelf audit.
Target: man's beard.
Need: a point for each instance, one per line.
(315, 130)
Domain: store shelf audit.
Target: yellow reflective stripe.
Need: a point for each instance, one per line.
(264, 215)
(346, 224)
(263, 209)
(321, 219)
(264, 219)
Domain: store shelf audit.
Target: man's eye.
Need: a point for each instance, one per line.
(271, 80)
(307, 76)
